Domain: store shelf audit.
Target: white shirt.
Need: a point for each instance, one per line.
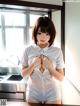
(43, 81)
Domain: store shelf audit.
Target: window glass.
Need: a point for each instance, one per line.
(14, 39)
(15, 30)
(15, 19)
(0, 39)
(0, 19)
(33, 19)
(30, 34)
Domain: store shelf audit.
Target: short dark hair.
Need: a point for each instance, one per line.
(45, 24)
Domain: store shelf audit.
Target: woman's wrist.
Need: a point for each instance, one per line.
(51, 69)
(30, 69)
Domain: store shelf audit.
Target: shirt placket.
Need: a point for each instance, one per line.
(43, 88)
(42, 52)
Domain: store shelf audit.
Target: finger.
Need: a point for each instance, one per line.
(45, 58)
(49, 59)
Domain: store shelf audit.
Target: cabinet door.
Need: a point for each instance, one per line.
(12, 96)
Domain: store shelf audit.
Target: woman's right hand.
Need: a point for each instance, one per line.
(36, 61)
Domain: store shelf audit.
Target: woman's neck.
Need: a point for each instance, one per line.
(43, 45)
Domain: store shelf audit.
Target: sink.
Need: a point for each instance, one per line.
(15, 78)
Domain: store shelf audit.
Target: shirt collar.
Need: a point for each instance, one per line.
(44, 49)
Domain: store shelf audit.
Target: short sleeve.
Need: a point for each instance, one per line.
(60, 61)
(24, 59)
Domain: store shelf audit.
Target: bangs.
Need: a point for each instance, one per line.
(44, 29)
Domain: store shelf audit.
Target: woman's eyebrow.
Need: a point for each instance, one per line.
(38, 31)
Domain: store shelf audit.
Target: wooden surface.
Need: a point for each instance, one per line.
(17, 103)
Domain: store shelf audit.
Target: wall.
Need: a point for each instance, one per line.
(56, 17)
(72, 51)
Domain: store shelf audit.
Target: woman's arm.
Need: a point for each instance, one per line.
(57, 73)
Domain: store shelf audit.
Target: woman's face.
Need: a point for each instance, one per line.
(42, 38)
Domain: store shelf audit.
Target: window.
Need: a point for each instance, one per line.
(0, 40)
(16, 30)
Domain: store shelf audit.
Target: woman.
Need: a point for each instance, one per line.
(43, 63)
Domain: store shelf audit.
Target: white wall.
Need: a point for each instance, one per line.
(72, 53)
(56, 17)
(72, 39)
(57, 2)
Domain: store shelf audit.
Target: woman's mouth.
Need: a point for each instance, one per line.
(42, 40)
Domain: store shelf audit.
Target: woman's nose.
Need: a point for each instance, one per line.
(43, 35)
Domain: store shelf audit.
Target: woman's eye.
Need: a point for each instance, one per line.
(47, 34)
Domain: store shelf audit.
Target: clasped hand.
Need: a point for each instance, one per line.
(43, 61)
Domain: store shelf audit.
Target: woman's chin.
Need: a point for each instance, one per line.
(42, 43)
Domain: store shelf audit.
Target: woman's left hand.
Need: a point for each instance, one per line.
(49, 64)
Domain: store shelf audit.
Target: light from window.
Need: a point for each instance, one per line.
(14, 40)
(13, 31)
(33, 19)
(15, 19)
(30, 34)
(0, 39)
(0, 19)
